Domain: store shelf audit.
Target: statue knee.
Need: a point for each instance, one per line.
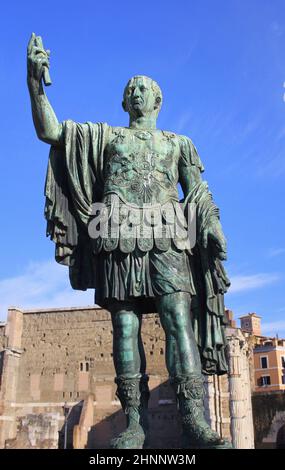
(176, 322)
(180, 319)
(175, 314)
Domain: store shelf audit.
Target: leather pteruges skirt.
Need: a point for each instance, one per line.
(142, 276)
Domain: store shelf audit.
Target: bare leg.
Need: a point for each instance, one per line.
(172, 356)
(141, 349)
(182, 355)
(184, 368)
(127, 352)
(130, 364)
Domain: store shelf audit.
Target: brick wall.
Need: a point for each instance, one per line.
(65, 354)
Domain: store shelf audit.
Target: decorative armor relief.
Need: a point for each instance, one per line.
(141, 205)
(141, 166)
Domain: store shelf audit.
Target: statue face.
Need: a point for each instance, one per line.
(140, 99)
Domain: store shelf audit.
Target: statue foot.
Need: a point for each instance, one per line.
(133, 393)
(132, 438)
(197, 434)
(204, 438)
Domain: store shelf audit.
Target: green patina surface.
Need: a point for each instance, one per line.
(91, 163)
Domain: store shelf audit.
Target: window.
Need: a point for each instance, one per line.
(283, 379)
(283, 362)
(264, 362)
(84, 366)
(265, 380)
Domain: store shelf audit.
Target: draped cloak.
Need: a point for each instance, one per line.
(75, 181)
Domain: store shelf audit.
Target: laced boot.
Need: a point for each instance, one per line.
(130, 393)
(197, 433)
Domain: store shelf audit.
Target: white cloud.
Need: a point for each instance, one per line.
(254, 281)
(41, 285)
(46, 284)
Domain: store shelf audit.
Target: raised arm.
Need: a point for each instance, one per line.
(47, 127)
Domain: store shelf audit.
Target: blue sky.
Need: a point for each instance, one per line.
(221, 67)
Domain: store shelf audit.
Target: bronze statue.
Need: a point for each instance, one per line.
(138, 264)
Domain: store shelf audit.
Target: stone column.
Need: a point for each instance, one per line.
(235, 386)
(9, 378)
(209, 402)
(240, 390)
(216, 404)
(247, 354)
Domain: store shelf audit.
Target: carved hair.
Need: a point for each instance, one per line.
(155, 88)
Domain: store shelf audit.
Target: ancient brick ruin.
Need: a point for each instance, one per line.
(57, 361)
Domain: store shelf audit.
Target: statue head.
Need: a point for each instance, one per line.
(142, 97)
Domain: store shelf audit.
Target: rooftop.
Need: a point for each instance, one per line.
(250, 315)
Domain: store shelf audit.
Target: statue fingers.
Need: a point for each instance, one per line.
(43, 62)
(39, 42)
(37, 59)
(220, 245)
(222, 249)
(222, 255)
(31, 43)
(40, 47)
(38, 50)
(219, 240)
(38, 65)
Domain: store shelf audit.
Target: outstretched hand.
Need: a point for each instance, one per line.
(38, 60)
(213, 233)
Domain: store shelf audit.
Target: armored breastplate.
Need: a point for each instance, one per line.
(140, 193)
(141, 166)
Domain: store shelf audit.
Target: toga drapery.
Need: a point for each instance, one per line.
(75, 181)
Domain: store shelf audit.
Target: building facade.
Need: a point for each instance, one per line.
(57, 383)
(269, 356)
(268, 388)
